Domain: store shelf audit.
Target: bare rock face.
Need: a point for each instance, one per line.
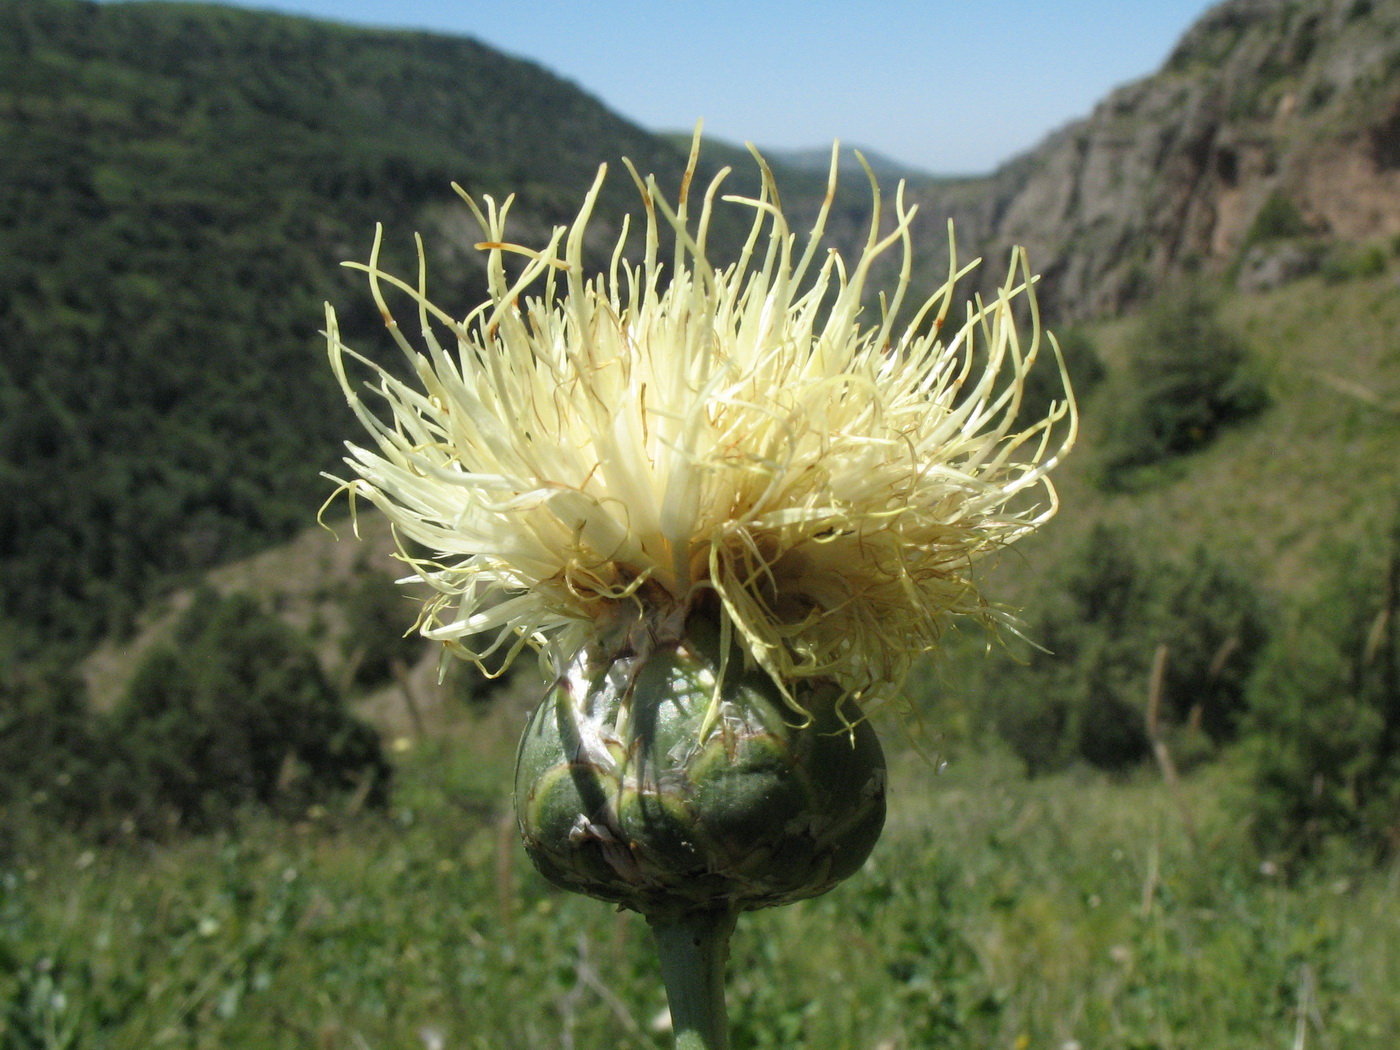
(1294, 104)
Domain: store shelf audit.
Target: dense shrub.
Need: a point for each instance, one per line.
(1083, 695)
(1188, 376)
(1353, 262)
(1277, 218)
(235, 711)
(52, 760)
(1324, 720)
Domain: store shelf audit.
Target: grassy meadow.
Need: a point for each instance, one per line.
(1066, 911)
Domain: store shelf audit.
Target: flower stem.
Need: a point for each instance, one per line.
(693, 946)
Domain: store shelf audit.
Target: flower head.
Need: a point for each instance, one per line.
(671, 437)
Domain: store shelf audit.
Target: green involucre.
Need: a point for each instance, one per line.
(621, 796)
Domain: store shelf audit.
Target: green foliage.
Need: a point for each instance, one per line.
(1324, 720)
(1083, 696)
(1043, 383)
(1188, 377)
(233, 712)
(178, 184)
(997, 912)
(933, 988)
(1276, 219)
(1353, 262)
(379, 642)
(52, 757)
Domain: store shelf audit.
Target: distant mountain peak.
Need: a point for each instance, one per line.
(818, 159)
(812, 160)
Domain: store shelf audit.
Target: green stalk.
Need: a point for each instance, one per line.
(693, 947)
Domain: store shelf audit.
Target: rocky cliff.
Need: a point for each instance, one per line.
(1273, 122)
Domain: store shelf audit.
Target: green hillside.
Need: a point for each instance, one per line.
(177, 186)
(1279, 496)
(240, 810)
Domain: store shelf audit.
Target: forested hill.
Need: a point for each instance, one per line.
(178, 183)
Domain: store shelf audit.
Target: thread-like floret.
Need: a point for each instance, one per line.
(667, 437)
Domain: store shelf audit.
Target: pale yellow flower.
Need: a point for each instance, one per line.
(754, 442)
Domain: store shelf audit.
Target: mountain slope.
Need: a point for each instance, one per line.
(1289, 104)
(178, 184)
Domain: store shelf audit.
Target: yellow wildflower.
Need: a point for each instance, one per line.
(753, 441)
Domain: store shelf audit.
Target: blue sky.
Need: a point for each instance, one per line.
(952, 87)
